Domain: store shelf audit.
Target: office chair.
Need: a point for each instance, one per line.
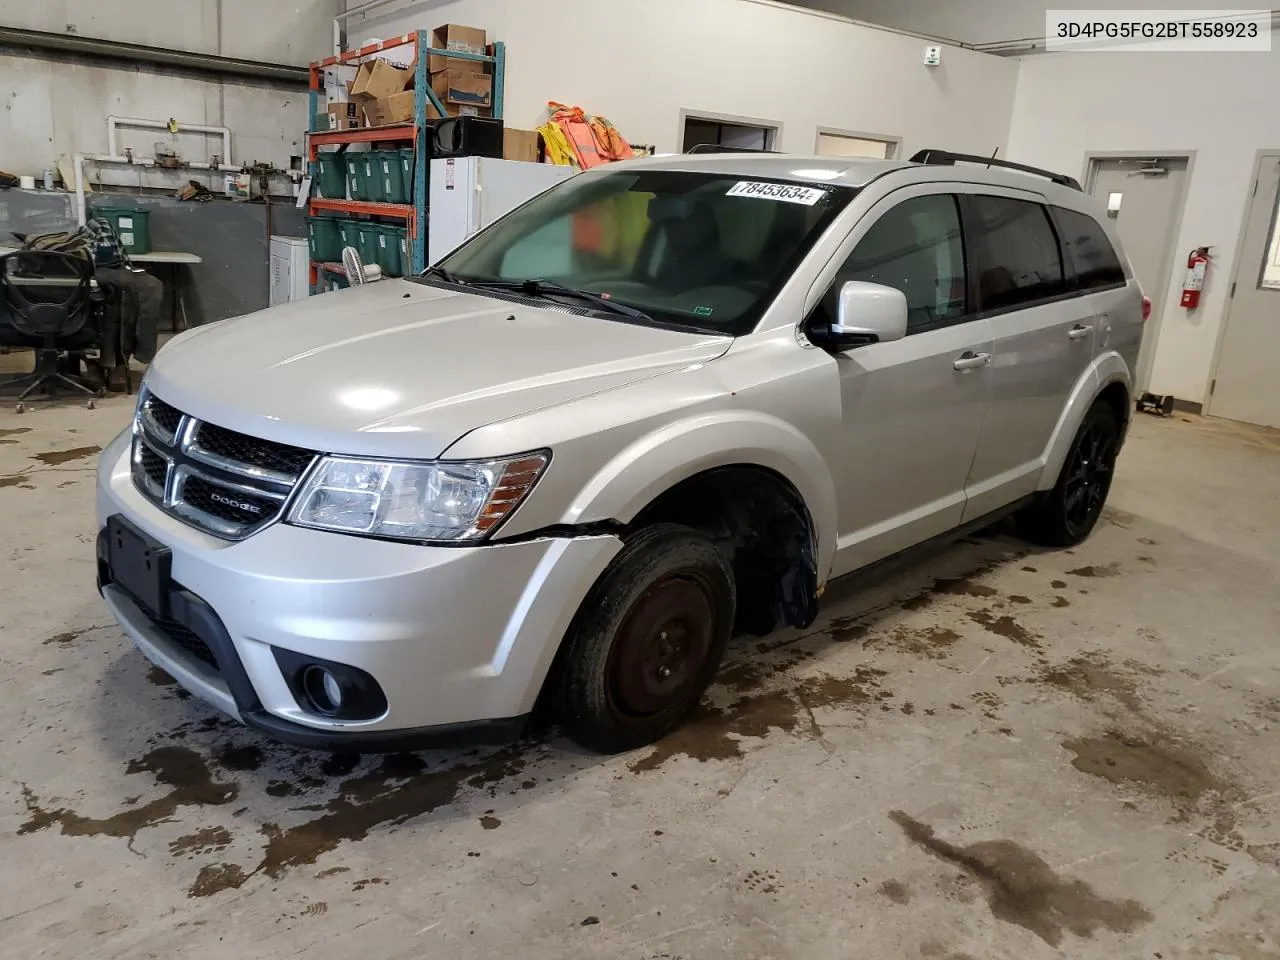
(49, 326)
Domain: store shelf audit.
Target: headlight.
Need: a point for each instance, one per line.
(441, 501)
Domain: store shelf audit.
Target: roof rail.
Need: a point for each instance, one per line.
(721, 148)
(947, 158)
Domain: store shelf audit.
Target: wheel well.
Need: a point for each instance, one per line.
(760, 522)
(1117, 397)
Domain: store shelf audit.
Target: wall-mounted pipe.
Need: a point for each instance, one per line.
(114, 122)
(132, 54)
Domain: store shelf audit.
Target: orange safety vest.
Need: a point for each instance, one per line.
(594, 140)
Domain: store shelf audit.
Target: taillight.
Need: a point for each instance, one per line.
(1146, 309)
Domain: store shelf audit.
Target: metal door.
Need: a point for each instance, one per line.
(1245, 385)
(1147, 196)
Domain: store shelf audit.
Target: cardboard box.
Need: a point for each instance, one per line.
(464, 88)
(521, 145)
(340, 116)
(378, 80)
(393, 109)
(453, 36)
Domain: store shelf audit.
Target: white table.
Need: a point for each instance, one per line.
(174, 260)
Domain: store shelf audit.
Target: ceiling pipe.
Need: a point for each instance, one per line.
(132, 54)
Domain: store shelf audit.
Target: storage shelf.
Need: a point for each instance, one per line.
(404, 211)
(397, 131)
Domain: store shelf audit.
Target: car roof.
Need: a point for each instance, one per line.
(857, 172)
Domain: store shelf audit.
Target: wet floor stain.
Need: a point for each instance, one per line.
(895, 891)
(1157, 765)
(240, 758)
(1005, 626)
(932, 643)
(70, 636)
(1060, 602)
(159, 677)
(1096, 570)
(215, 878)
(18, 480)
(55, 458)
(1023, 889)
(718, 733)
(392, 794)
(206, 841)
(367, 882)
(490, 822)
(14, 431)
(182, 770)
(1091, 676)
(1058, 584)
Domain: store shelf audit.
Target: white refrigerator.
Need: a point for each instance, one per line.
(469, 193)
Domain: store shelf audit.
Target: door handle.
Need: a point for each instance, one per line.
(971, 361)
(1079, 331)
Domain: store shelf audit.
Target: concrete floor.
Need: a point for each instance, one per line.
(993, 753)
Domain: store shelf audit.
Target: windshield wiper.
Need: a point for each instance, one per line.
(544, 288)
(443, 274)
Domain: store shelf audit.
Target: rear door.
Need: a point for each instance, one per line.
(1043, 340)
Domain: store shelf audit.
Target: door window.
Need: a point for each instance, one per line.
(1022, 263)
(1089, 252)
(1270, 279)
(916, 247)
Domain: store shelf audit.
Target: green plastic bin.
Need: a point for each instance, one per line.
(333, 175)
(348, 235)
(389, 250)
(369, 233)
(358, 168)
(389, 172)
(132, 226)
(335, 281)
(406, 166)
(325, 239)
(406, 260)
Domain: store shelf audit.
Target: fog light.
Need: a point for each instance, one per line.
(323, 689)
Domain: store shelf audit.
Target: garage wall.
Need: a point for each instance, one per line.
(640, 64)
(1222, 106)
(52, 106)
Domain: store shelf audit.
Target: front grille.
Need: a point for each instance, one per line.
(218, 501)
(154, 466)
(185, 638)
(215, 479)
(259, 453)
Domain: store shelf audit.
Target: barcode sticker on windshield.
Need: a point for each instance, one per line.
(787, 193)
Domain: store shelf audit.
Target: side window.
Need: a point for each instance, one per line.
(1089, 252)
(917, 248)
(1022, 263)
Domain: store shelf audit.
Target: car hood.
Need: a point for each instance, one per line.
(402, 369)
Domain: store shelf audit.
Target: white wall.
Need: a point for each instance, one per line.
(640, 63)
(978, 21)
(50, 106)
(1222, 106)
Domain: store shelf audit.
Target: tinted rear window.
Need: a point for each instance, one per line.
(1089, 252)
(1022, 264)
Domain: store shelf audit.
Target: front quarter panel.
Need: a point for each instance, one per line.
(615, 453)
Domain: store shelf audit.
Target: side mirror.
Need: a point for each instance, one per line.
(867, 313)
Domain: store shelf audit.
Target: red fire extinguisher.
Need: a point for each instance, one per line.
(1197, 265)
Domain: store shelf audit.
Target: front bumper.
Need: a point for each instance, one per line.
(459, 639)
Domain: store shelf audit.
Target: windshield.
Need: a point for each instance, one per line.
(706, 251)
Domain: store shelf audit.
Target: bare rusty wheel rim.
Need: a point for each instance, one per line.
(660, 648)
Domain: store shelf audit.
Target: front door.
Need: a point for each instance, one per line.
(1145, 197)
(911, 409)
(1246, 385)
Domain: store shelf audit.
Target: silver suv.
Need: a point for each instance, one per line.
(660, 404)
